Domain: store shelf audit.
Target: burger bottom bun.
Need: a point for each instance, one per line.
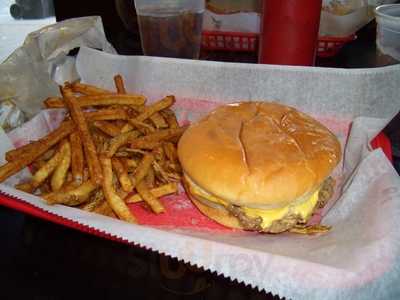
(220, 215)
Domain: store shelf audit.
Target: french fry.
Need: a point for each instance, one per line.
(54, 102)
(127, 127)
(146, 145)
(106, 115)
(45, 188)
(132, 151)
(37, 164)
(47, 169)
(122, 194)
(170, 151)
(68, 186)
(170, 118)
(120, 124)
(105, 209)
(77, 159)
(137, 109)
(115, 202)
(101, 100)
(130, 164)
(26, 187)
(108, 128)
(163, 175)
(141, 126)
(122, 154)
(99, 115)
(134, 110)
(153, 108)
(41, 146)
(163, 190)
(150, 178)
(159, 153)
(309, 230)
(60, 173)
(66, 165)
(99, 140)
(86, 174)
(158, 120)
(159, 136)
(46, 156)
(119, 84)
(143, 168)
(15, 166)
(120, 141)
(16, 154)
(94, 201)
(122, 175)
(155, 205)
(72, 197)
(173, 167)
(69, 177)
(88, 145)
(88, 89)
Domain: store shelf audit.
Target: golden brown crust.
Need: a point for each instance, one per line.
(258, 154)
(221, 216)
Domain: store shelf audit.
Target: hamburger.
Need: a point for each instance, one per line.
(258, 166)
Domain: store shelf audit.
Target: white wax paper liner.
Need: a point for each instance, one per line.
(359, 258)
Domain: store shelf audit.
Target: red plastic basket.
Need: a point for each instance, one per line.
(330, 46)
(248, 42)
(383, 142)
(230, 41)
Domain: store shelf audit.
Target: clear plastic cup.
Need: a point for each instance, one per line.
(388, 33)
(170, 28)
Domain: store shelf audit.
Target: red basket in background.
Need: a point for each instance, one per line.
(382, 141)
(229, 41)
(329, 46)
(248, 42)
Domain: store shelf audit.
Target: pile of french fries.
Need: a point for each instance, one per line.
(111, 150)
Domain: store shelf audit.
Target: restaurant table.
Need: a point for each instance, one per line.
(42, 260)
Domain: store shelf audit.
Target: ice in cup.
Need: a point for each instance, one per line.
(170, 28)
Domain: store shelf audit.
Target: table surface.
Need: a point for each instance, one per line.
(13, 32)
(49, 261)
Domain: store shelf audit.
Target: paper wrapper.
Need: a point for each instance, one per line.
(359, 258)
(32, 72)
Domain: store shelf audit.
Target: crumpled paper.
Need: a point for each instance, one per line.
(10, 115)
(360, 257)
(31, 73)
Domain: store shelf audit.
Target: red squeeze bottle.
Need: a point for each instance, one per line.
(289, 32)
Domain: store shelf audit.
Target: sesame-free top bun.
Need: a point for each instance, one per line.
(258, 154)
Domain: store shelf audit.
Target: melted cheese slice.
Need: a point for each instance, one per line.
(303, 208)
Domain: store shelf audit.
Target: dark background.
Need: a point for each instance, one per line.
(40, 260)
